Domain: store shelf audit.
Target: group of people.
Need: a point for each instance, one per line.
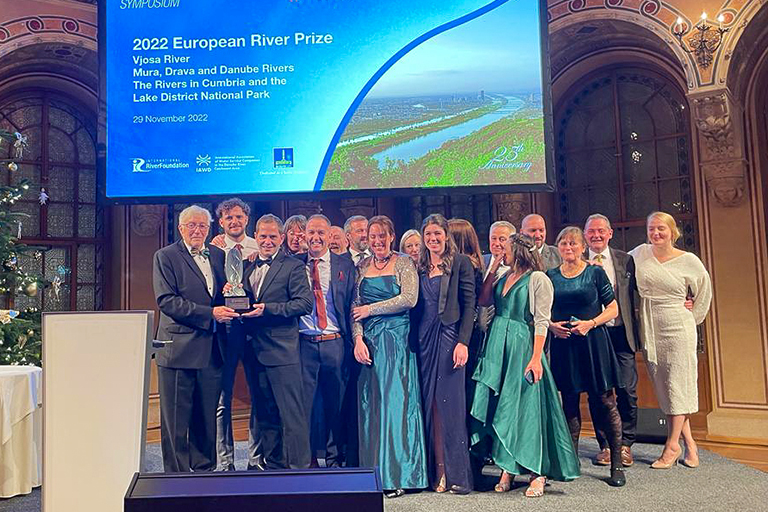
(427, 361)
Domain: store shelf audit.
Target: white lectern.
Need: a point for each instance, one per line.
(95, 386)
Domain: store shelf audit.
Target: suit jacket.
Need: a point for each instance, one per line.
(286, 296)
(550, 256)
(456, 301)
(626, 285)
(186, 308)
(343, 276)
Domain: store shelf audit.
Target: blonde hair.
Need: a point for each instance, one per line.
(669, 221)
(408, 234)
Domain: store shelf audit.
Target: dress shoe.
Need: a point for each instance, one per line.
(658, 464)
(618, 479)
(228, 467)
(256, 467)
(626, 456)
(604, 457)
(396, 493)
(690, 463)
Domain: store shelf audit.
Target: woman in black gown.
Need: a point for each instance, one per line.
(582, 357)
(444, 315)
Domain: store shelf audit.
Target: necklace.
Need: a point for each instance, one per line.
(384, 260)
(579, 268)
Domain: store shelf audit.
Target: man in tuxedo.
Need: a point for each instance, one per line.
(620, 268)
(233, 218)
(534, 226)
(325, 335)
(356, 229)
(188, 278)
(280, 293)
(338, 243)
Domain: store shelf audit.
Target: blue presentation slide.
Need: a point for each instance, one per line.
(208, 97)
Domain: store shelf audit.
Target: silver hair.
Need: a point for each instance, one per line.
(408, 234)
(597, 216)
(296, 220)
(354, 218)
(189, 211)
(503, 224)
(320, 216)
(270, 219)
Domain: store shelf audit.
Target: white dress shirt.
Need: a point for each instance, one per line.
(249, 245)
(358, 256)
(257, 277)
(503, 269)
(204, 264)
(610, 270)
(308, 323)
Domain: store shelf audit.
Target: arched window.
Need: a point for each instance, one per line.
(623, 140)
(68, 230)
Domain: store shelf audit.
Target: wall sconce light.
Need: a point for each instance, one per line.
(705, 42)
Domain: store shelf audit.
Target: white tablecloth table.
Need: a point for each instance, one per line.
(21, 418)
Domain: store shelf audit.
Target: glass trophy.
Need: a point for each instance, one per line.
(235, 298)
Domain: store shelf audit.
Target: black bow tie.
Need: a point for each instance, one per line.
(260, 262)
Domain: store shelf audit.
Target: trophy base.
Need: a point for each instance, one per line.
(239, 304)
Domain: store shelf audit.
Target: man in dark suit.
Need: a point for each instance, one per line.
(325, 335)
(280, 293)
(620, 268)
(356, 229)
(534, 226)
(498, 235)
(188, 278)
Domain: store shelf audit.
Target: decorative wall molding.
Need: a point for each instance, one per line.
(512, 207)
(364, 206)
(146, 219)
(717, 119)
(28, 30)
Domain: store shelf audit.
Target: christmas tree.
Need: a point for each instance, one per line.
(20, 336)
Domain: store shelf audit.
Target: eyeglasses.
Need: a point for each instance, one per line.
(191, 226)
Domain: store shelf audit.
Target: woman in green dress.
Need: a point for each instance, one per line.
(391, 425)
(516, 403)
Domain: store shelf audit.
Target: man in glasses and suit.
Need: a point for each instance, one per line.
(188, 278)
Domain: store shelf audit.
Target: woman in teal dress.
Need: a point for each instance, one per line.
(524, 420)
(391, 425)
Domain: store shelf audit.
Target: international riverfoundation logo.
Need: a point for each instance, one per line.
(138, 165)
(283, 157)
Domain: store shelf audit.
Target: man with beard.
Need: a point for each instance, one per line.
(534, 226)
(233, 218)
(356, 229)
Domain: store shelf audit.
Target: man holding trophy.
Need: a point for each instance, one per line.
(233, 218)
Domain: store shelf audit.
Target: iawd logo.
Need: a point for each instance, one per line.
(283, 157)
(138, 165)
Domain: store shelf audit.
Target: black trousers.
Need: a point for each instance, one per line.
(236, 349)
(626, 397)
(282, 417)
(188, 400)
(349, 418)
(322, 372)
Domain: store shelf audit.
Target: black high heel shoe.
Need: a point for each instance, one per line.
(394, 494)
(618, 479)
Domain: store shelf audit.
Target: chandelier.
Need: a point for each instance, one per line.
(704, 42)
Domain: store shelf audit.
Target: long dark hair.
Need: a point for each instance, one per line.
(450, 246)
(467, 243)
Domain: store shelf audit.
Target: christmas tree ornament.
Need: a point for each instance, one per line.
(63, 271)
(6, 315)
(13, 167)
(22, 340)
(30, 332)
(56, 283)
(20, 144)
(43, 197)
(18, 231)
(38, 255)
(31, 289)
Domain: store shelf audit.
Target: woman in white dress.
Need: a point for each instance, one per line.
(666, 276)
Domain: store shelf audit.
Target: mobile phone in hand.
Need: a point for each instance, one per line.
(529, 377)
